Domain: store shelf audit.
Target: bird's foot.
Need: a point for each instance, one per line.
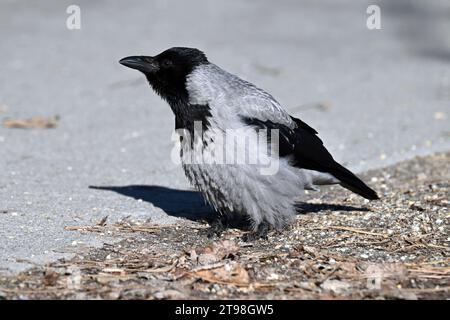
(261, 232)
(217, 227)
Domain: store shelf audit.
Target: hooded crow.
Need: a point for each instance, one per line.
(201, 92)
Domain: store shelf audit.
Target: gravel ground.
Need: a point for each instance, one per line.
(340, 247)
(375, 96)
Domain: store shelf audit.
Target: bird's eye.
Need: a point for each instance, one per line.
(166, 63)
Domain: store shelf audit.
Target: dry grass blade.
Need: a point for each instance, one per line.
(355, 230)
(162, 269)
(32, 123)
(429, 290)
(119, 227)
(85, 228)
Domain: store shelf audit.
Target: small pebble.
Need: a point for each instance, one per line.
(440, 115)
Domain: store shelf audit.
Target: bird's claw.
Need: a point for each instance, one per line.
(216, 228)
(261, 232)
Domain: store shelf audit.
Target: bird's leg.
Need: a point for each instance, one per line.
(217, 226)
(261, 232)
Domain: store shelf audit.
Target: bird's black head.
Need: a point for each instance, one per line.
(167, 71)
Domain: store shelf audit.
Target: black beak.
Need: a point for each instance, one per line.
(141, 63)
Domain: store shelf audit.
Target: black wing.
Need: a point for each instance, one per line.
(307, 151)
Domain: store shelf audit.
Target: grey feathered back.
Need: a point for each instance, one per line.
(229, 96)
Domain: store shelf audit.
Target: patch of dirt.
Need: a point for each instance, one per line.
(341, 247)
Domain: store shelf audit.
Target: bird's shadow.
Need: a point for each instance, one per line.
(191, 205)
(303, 207)
(177, 203)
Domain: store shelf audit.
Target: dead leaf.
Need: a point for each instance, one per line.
(169, 294)
(32, 123)
(230, 273)
(336, 286)
(310, 250)
(384, 270)
(217, 251)
(349, 268)
(50, 278)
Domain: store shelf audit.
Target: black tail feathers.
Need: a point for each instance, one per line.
(351, 182)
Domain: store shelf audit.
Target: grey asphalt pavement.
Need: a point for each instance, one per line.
(375, 96)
